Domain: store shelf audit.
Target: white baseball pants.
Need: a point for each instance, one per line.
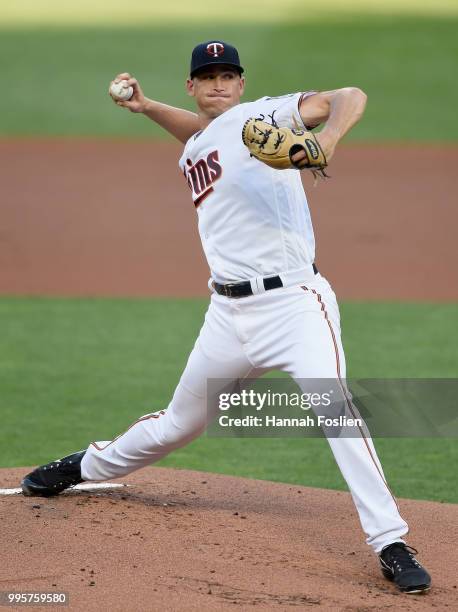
(294, 329)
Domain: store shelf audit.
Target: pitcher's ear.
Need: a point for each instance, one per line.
(190, 87)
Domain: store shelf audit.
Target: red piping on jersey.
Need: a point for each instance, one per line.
(349, 403)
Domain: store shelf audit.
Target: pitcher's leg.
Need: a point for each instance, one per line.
(216, 355)
(321, 356)
(148, 439)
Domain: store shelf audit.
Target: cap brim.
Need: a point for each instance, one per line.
(236, 66)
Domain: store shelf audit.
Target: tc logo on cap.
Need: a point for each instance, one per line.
(215, 49)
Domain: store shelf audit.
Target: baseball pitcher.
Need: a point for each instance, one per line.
(270, 307)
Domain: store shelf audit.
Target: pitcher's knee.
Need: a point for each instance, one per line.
(172, 436)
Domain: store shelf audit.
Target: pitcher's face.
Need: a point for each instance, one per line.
(216, 89)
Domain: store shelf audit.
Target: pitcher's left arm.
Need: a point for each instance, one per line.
(339, 110)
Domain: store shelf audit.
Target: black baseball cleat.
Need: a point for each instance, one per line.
(400, 566)
(53, 478)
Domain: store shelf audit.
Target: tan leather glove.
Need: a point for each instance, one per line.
(275, 146)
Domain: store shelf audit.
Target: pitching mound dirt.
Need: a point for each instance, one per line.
(180, 540)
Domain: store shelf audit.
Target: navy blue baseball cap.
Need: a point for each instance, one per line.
(214, 52)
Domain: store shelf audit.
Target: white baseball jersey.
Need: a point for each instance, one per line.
(253, 220)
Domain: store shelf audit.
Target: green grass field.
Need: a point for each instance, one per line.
(56, 78)
(73, 371)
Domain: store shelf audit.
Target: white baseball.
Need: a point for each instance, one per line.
(121, 90)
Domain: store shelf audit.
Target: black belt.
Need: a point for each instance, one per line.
(243, 289)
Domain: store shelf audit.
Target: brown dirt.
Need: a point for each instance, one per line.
(81, 217)
(180, 540)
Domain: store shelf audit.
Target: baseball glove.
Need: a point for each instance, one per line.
(275, 146)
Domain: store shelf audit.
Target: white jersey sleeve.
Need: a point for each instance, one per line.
(280, 110)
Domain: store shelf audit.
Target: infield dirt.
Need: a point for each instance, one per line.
(115, 218)
(180, 540)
